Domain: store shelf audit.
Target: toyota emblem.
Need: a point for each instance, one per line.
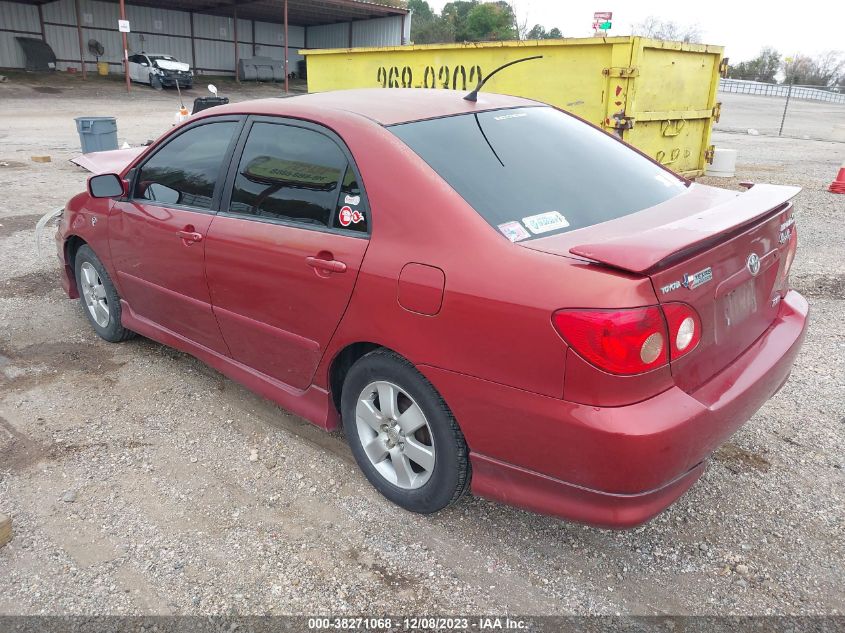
(753, 263)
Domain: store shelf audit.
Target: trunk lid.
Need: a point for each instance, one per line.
(722, 252)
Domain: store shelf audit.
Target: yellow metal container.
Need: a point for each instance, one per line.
(658, 96)
(103, 68)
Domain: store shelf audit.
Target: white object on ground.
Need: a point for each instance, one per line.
(39, 226)
(723, 165)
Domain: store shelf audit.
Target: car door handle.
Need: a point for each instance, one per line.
(331, 265)
(190, 236)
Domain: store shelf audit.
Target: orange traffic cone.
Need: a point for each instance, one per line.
(838, 185)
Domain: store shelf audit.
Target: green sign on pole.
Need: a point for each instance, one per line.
(605, 26)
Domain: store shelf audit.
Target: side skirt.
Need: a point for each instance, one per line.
(313, 403)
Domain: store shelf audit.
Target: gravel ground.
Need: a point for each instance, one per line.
(142, 482)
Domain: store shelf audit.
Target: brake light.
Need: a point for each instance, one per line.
(684, 328)
(628, 341)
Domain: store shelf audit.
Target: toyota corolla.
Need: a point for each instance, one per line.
(486, 295)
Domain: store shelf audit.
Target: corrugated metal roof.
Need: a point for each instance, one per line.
(168, 31)
(300, 12)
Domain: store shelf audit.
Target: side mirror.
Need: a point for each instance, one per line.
(105, 186)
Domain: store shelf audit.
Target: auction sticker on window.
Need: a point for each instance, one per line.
(514, 231)
(347, 216)
(545, 222)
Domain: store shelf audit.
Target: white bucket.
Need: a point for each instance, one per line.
(724, 164)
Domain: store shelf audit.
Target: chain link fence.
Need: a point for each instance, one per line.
(813, 93)
(782, 110)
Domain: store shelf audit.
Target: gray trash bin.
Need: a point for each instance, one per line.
(97, 133)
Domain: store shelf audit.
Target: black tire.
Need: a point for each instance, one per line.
(113, 332)
(451, 474)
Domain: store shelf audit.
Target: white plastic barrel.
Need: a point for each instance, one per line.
(724, 163)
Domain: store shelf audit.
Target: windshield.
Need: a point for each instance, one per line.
(533, 172)
(166, 58)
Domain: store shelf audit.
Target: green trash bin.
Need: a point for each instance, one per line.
(97, 133)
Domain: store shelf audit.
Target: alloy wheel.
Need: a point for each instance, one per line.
(395, 435)
(94, 294)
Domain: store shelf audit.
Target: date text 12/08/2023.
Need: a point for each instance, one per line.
(416, 623)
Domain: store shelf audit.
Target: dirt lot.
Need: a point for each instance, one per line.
(127, 471)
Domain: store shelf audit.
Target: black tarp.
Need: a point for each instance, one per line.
(39, 55)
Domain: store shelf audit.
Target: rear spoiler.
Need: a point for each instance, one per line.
(645, 251)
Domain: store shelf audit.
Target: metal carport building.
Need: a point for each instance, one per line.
(203, 32)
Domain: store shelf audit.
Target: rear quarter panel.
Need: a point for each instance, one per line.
(495, 321)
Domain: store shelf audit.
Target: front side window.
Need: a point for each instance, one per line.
(533, 172)
(185, 171)
(298, 175)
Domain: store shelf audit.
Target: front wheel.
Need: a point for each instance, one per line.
(402, 434)
(99, 297)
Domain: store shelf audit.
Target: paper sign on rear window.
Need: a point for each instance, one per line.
(545, 222)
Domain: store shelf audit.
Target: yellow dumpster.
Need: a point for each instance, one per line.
(659, 96)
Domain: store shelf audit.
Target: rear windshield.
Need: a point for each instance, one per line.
(533, 172)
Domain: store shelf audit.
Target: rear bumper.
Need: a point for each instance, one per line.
(614, 466)
(546, 495)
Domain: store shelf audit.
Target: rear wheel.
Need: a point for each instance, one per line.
(99, 297)
(402, 434)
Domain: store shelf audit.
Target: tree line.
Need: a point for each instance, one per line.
(472, 21)
(823, 70)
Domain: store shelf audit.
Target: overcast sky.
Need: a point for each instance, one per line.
(809, 26)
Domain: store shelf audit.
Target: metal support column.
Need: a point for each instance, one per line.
(237, 52)
(79, 36)
(125, 48)
(193, 46)
(41, 22)
(287, 86)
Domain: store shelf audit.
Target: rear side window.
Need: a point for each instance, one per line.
(298, 175)
(186, 170)
(533, 172)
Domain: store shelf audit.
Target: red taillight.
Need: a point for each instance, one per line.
(629, 341)
(684, 328)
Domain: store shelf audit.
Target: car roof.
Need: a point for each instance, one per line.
(385, 106)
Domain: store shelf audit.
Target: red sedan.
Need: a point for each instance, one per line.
(491, 295)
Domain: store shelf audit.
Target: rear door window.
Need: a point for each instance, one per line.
(533, 172)
(297, 175)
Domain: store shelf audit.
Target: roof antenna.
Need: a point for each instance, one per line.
(473, 96)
